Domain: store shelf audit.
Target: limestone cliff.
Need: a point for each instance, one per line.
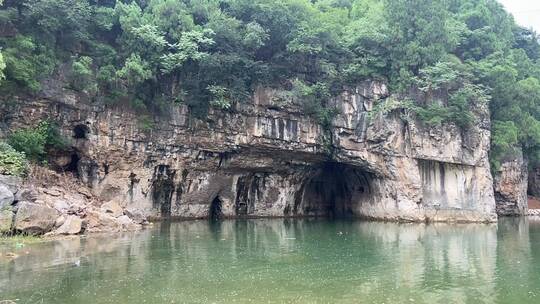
(265, 157)
(511, 186)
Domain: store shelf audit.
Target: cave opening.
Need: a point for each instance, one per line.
(73, 165)
(81, 132)
(333, 190)
(162, 189)
(215, 213)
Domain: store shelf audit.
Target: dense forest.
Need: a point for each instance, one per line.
(442, 58)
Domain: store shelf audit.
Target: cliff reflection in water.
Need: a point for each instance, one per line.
(281, 260)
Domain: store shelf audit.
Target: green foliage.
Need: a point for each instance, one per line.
(26, 62)
(134, 71)
(448, 93)
(12, 162)
(220, 97)
(313, 99)
(35, 142)
(82, 76)
(187, 48)
(146, 123)
(391, 104)
(504, 139)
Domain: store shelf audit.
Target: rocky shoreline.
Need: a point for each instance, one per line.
(35, 207)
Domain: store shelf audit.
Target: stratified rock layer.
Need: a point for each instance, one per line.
(266, 158)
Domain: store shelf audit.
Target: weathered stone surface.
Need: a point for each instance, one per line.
(72, 225)
(11, 182)
(26, 194)
(112, 208)
(98, 221)
(266, 158)
(510, 184)
(34, 218)
(6, 197)
(61, 206)
(55, 191)
(136, 215)
(6, 220)
(60, 221)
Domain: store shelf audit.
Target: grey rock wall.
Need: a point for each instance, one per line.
(510, 185)
(266, 158)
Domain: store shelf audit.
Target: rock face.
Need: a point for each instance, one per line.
(534, 182)
(112, 208)
(6, 220)
(32, 218)
(266, 158)
(6, 197)
(71, 225)
(510, 184)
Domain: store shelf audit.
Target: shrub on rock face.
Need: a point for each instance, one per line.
(12, 162)
(35, 142)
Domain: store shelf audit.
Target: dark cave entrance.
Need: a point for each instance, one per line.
(215, 213)
(334, 190)
(73, 165)
(162, 189)
(81, 132)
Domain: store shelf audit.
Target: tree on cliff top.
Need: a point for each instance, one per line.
(454, 54)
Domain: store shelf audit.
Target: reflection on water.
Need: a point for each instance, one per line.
(280, 260)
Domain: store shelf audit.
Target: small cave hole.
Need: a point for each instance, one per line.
(81, 132)
(215, 213)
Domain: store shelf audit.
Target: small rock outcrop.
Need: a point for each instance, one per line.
(510, 185)
(62, 208)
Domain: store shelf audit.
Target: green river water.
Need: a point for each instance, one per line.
(283, 261)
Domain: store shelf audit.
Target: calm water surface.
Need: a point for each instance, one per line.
(283, 261)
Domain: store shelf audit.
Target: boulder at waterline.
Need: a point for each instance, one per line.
(34, 218)
(72, 225)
